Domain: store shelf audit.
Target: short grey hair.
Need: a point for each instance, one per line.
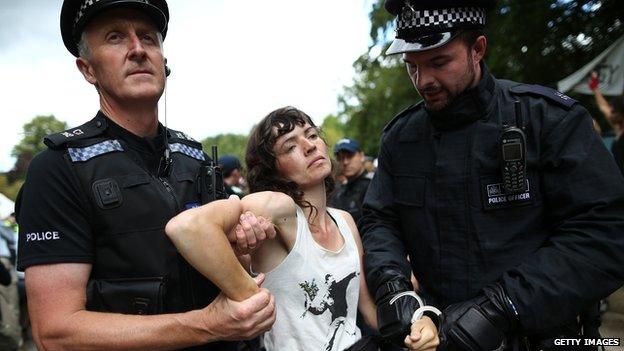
(84, 50)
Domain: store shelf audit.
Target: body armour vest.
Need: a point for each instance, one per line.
(136, 268)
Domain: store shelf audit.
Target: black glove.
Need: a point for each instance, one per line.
(395, 319)
(479, 324)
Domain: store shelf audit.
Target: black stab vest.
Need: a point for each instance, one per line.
(136, 268)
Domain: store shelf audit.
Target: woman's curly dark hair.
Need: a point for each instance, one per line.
(261, 160)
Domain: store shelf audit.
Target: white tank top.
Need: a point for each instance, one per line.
(316, 293)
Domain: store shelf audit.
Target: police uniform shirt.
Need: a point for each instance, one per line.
(437, 196)
(350, 196)
(53, 210)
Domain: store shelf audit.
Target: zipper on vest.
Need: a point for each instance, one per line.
(170, 192)
(185, 269)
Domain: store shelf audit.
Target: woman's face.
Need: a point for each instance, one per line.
(302, 156)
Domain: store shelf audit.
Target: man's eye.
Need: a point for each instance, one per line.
(439, 64)
(114, 37)
(313, 136)
(149, 38)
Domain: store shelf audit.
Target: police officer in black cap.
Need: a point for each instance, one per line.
(350, 195)
(93, 210)
(506, 201)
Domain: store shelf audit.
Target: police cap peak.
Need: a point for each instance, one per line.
(76, 14)
(427, 24)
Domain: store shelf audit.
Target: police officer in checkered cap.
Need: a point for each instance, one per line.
(425, 25)
(93, 211)
(505, 200)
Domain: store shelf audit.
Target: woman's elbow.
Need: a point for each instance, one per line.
(178, 226)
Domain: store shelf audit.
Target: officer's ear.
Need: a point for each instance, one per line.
(478, 49)
(86, 69)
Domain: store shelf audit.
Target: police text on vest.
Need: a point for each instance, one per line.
(42, 236)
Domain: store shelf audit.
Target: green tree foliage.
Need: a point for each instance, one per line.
(532, 41)
(32, 143)
(227, 144)
(34, 131)
(333, 129)
(10, 189)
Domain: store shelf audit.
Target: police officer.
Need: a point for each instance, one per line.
(232, 175)
(350, 195)
(511, 213)
(93, 210)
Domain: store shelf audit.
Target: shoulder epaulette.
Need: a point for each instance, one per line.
(88, 130)
(549, 93)
(401, 115)
(182, 143)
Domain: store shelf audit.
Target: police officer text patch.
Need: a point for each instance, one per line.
(494, 197)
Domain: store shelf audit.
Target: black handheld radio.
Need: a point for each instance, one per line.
(513, 154)
(210, 180)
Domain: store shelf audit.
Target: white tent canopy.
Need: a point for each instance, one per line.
(6, 206)
(610, 67)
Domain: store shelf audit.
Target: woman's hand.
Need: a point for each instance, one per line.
(423, 336)
(249, 233)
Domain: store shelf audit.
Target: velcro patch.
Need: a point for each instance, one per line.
(549, 93)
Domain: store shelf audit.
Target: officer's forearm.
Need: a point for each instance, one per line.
(382, 252)
(199, 235)
(85, 330)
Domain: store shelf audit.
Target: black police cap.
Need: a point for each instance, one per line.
(76, 14)
(427, 24)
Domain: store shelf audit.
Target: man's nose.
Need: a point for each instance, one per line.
(137, 51)
(424, 79)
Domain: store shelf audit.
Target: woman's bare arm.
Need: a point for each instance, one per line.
(366, 305)
(200, 236)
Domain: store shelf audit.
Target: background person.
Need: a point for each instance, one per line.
(349, 195)
(614, 114)
(100, 272)
(10, 328)
(232, 175)
(512, 263)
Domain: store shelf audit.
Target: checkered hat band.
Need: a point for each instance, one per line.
(81, 154)
(88, 3)
(187, 150)
(440, 17)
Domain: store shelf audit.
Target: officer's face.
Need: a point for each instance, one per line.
(441, 74)
(302, 156)
(126, 60)
(352, 163)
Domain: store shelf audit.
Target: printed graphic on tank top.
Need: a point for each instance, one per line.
(316, 293)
